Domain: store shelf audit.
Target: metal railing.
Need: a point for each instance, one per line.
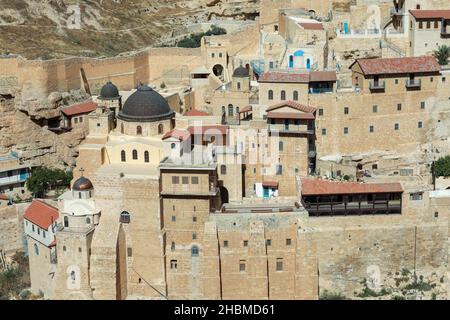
(377, 85)
(413, 83)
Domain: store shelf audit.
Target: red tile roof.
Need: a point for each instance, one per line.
(195, 113)
(270, 184)
(311, 26)
(181, 135)
(290, 115)
(284, 77)
(398, 65)
(80, 108)
(292, 77)
(3, 196)
(41, 214)
(211, 129)
(292, 104)
(320, 76)
(246, 109)
(430, 14)
(313, 187)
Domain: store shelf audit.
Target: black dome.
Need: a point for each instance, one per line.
(109, 92)
(145, 105)
(241, 72)
(82, 184)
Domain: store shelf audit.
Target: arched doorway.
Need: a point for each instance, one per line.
(218, 70)
(224, 195)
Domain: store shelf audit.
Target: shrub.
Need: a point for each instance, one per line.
(44, 179)
(442, 167)
(326, 295)
(25, 294)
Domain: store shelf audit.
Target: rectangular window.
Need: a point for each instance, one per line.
(346, 110)
(396, 126)
(43, 233)
(175, 180)
(242, 266)
(399, 107)
(194, 180)
(174, 218)
(39, 231)
(422, 105)
(431, 79)
(194, 219)
(320, 112)
(324, 132)
(420, 125)
(194, 236)
(173, 264)
(172, 246)
(375, 109)
(130, 252)
(279, 169)
(245, 243)
(345, 130)
(371, 128)
(288, 242)
(268, 242)
(185, 180)
(225, 243)
(396, 81)
(443, 79)
(416, 196)
(279, 264)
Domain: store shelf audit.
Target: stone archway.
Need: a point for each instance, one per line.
(224, 195)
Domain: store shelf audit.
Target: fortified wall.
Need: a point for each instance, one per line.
(37, 79)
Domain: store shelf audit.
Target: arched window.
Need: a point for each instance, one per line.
(66, 222)
(36, 249)
(173, 146)
(122, 128)
(160, 128)
(125, 217)
(135, 154)
(146, 157)
(230, 110)
(123, 156)
(295, 96)
(239, 86)
(223, 109)
(270, 95)
(194, 251)
(280, 146)
(88, 220)
(237, 110)
(139, 130)
(283, 95)
(223, 169)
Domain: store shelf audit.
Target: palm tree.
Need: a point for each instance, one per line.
(442, 54)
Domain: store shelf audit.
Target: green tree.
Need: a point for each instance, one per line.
(45, 179)
(442, 54)
(442, 167)
(194, 40)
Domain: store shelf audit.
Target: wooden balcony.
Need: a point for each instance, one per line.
(291, 129)
(377, 86)
(354, 208)
(413, 84)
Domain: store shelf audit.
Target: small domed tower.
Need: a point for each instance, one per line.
(241, 79)
(110, 98)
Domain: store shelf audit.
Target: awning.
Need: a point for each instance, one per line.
(270, 184)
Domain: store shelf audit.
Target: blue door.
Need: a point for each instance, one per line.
(23, 174)
(266, 193)
(291, 61)
(346, 27)
(308, 63)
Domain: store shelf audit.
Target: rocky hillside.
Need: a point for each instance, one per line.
(57, 28)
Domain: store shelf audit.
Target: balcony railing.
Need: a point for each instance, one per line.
(291, 128)
(313, 90)
(377, 85)
(445, 30)
(413, 84)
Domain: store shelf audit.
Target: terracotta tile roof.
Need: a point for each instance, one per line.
(292, 104)
(291, 77)
(430, 14)
(270, 184)
(80, 108)
(290, 115)
(211, 129)
(3, 196)
(314, 187)
(284, 77)
(319, 76)
(246, 109)
(195, 113)
(398, 65)
(41, 214)
(311, 26)
(181, 135)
